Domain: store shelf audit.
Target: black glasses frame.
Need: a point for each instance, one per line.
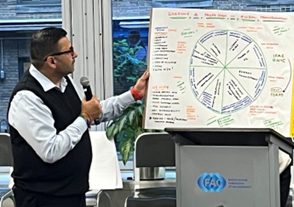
(71, 50)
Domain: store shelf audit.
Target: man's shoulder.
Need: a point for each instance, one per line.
(27, 81)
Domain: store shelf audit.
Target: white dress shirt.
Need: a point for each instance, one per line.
(34, 121)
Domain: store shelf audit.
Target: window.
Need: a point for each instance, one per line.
(15, 33)
(130, 38)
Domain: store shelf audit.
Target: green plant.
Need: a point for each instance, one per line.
(126, 128)
(125, 66)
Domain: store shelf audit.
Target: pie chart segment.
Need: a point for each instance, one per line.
(250, 57)
(211, 97)
(252, 80)
(215, 42)
(235, 97)
(237, 42)
(202, 57)
(201, 78)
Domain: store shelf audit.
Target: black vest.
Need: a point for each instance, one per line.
(67, 176)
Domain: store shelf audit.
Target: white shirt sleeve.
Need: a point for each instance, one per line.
(284, 161)
(114, 106)
(34, 122)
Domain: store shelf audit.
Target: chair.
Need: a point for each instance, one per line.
(152, 150)
(103, 170)
(6, 160)
(97, 198)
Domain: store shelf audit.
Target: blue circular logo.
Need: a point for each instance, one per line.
(211, 182)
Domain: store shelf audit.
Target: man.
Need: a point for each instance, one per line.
(49, 124)
(136, 42)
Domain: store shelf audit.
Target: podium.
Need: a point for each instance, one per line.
(228, 167)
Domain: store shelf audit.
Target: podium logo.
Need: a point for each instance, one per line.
(211, 182)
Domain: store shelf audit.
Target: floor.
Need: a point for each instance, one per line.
(9, 203)
(4, 180)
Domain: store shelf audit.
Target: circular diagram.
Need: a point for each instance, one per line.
(227, 71)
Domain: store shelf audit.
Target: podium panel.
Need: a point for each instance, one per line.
(223, 176)
(224, 167)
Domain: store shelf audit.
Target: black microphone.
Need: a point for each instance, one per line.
(88, 92)
(86, 86)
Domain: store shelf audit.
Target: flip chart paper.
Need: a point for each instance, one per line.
(216, 68)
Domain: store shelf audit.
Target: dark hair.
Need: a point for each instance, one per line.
(44, 43)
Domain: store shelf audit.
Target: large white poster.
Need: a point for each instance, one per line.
(215, 68)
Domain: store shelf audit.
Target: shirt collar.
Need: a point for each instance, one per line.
(45, 82)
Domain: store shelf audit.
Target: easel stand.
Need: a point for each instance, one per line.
(228, 167)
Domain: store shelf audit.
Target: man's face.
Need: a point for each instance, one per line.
(65, 62)
(133, 40)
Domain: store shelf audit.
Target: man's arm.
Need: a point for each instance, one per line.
(114, 106)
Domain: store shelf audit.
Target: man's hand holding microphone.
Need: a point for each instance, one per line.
(91, 108)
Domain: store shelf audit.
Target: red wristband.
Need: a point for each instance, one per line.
(135, 94)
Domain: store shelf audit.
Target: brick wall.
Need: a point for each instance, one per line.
(127, 8)
(10, 9)
(10, 65)
(7, 9)
(130, 8)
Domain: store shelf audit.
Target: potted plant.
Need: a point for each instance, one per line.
(126, 128)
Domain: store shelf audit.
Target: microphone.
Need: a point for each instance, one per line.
(88, 92)
(86, 86)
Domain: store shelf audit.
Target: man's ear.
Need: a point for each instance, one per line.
(51, 62)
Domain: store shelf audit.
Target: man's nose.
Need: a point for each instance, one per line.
(75, 54)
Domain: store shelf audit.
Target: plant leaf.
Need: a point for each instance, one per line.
(109, 131)
(140, 109)
(132, 116)
(128, 128)
(120, 136)
(115, 130)
(138, 131)
(126, 145)
(122, 122)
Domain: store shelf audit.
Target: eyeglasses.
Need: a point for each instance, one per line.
(71, 50)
